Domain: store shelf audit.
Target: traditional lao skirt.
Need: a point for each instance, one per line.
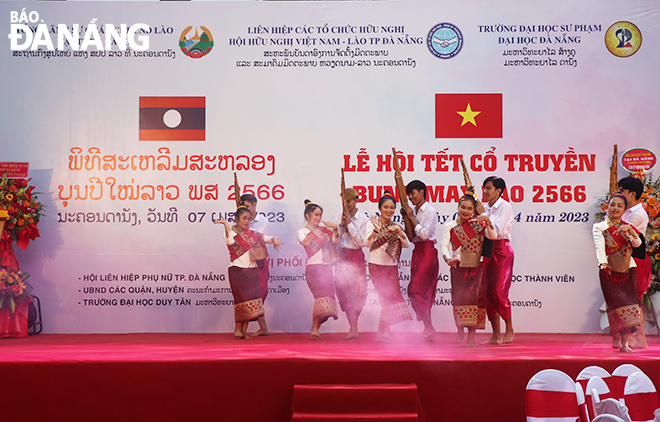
(620, 293)
(393, 307)
(466, 294)
(321, 282)
(244, 283)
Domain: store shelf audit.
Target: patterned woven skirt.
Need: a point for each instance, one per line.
(620, 293)
(321, 282)
(393, 307)
(244, 283)
(468, 297)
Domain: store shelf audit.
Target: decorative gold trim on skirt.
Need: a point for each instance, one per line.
(324, 308)
(466, 315)
(394, 314)
(248, 311)
(624, 317)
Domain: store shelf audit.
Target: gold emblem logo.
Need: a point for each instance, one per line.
(623, 39)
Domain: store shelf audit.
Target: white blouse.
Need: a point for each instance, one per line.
(379, 255)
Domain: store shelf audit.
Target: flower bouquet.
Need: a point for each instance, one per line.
(23, 211)
(15, 299)
(14, 288)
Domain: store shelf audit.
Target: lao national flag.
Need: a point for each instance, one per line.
(468, 115)
(172, 118)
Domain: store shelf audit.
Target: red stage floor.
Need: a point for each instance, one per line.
(177, 377)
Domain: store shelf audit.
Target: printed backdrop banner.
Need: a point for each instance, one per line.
(135, 116)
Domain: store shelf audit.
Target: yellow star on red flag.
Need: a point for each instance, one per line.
(469, 115)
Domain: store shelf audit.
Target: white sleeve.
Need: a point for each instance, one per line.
(230, 239)
(369, 231)
(427, 224)
(445, 247)
(502, 219)
(599, 242)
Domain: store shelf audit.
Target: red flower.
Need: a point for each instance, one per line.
(21, 221)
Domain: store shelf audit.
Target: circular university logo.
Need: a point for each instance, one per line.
(198, 45)
(623, 39)
(444, 40)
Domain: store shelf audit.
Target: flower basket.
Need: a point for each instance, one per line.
(22, 211)
(15, 298)
(15, 324)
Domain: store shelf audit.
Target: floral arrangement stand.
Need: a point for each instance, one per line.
(15, 299)
(20, 213)
(15, 324)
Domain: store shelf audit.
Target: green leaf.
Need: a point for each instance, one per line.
(12, 304)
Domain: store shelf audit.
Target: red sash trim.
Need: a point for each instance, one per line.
(616, 241)
(463, 235)
(642, 405)
(391, 237)
(243, 242)
(551, 404)
(318, 237)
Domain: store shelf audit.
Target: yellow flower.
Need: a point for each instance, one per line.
(654, 236)
(9, 197)
(657, 256)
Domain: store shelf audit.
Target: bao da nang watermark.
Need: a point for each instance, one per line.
(28, 31)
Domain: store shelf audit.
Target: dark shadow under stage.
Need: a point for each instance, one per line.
(215, 377)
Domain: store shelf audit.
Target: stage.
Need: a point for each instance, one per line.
(176, 377)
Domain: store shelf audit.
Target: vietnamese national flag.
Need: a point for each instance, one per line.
(468, 115)
(172, 118)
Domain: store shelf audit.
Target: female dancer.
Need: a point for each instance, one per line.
(614, 241)
(461, 247)
(319, 243)
(245, 249)
(385, 240)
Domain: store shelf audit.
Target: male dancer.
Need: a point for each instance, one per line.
(351, 272)
(259, 224)
(499, 268)
(632, 188)
(424, 267)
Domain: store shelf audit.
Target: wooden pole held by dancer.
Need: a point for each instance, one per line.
(409, 225)
(237, 191)
(614, 171)
(344, 201)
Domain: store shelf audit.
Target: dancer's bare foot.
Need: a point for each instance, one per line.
(493, 341)
(352, 334)
(383, 335)
(316, 336)
(470, 343)
(459, 337)
(427, 335)
(238, 334)
(261, 332)
(616, 343)
(626, 349)
(508, 337)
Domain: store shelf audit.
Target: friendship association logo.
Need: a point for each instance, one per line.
(199, 45)
(444, 40)
(623, 39)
